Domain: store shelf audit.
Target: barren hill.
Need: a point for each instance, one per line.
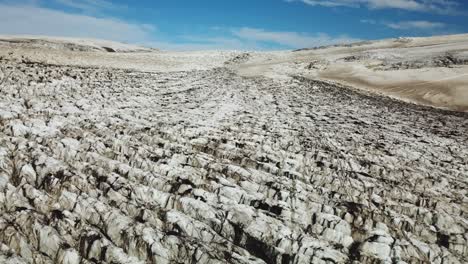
(430, 71)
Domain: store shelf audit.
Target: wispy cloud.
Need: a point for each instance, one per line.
(290, 39)
(30, 18)
(90, 6)
(369, 21)
(251, 39)
(421, 25)
(408, 25)
(436, 6)
(209, 44)
(224, 41)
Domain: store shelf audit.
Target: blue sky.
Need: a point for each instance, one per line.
(239, 24)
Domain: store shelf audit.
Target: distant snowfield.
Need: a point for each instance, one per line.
(430, 71)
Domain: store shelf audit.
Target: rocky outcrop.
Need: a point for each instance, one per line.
(447, 61)
(241, 58)
(117, 166)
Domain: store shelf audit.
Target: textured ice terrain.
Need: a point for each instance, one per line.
(108, 165)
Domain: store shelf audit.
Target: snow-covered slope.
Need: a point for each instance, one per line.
(431, 71)
(176, 158)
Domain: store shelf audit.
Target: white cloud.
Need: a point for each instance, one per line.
(225, 42)
(89, 6)
(437, 6)
(290, 39)
(422, 25)
(33, 20)
(251, 39)
(400, 4)
(368, 21)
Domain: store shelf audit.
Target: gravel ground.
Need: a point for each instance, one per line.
(102, 165)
